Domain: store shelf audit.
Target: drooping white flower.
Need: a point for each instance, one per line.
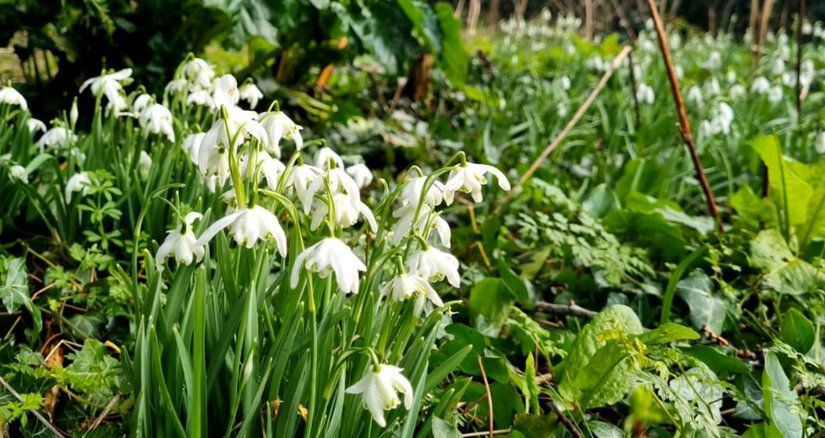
(406, 216)
(327, 158)
(79, 182)
(144, 165)
(411, 192)
(469, 178)
(694, 95)
(736, 91)
(247, 226)
(35, 125)
(379, 390)
(775, 94)
(176, 86)
(213, 153)
(271, 169)
(192, 145)
(141, 102)
(201, 98)
(157, 119)
(407, 285)
(278, 126)
(347, 211)
(435, 265)
(250, 93)
(19, 173)
(10, 96)
(564, 83)
(300, 179)
(327, 256)
(645, 94)
(110, 85)
(57, 137)
(226, 93)
(181, 244)
(338, 180)
(361, 174)
(74, 113)
(199, 72)
(760, 85)
(819, 143)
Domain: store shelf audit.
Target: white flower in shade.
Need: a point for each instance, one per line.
(338, 180)
(110, 85)
(435, 265)
(35, 125)
(819, 144)
(469, 178)
(760, 85)
(157, 119)
(278, 126)
(807, 73)
(192, 145)
(694, 95)
(327, 158)
(406, 216)
(57, 137)
(712, 87)
(407, 285)
(379, 390)
(201, 98)
(347, 211)
(73, 113)
(199, 72)
(361, 174)
(271, 169)
(19, 173)
(181, 244)
(10, 96)
(243, 125)
(736, 91)
(411, 192)
(247, 226)
(645, 94)
(250, 93)
(775, 94)
(144, 165)
(226, 92)
(176, 86)
(79, 182)
(300, 179)
(141, 102)
(330, 255)
(564, 83)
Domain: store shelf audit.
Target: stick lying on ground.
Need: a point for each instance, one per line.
(567, 128)
(684, 124)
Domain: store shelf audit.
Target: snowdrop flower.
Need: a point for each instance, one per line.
(712, 87)
(278, 125)
(226, 92)
(250, 93)
(562, 110)
(79, 182)
(10, 96)
(435, 265)
(720, 123)
(141, 102)
(35, 125)
(176, 86)
(192, 145)
(271, 168)
(564, 83)
(406, 216)
(300, 179)
(469, 178)
(110, 86)
(361, 174)
(73, 113)
(19, 173)
(347, 211)
(760, 85)
(714, 61)
(338, 180)
(330, 255)
(379, 390)
(144, 165)
(201, 98)
(820, 142)
(181, 244)
(411, 192)
(645, 94)
(242, 126)
(247, 226)
(694, 95)
(156, 119)
(407, 285)
(807, 73)
(199, 72)
(327, 156)
(737, 91)
(777, 67)
(57, 137)
(775, 94)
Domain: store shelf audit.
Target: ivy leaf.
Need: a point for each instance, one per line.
(14, 291)
(781, 403)
(705, 309)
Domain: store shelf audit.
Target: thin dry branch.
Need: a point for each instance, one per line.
(489, 397)
(572, 309)
(682, 113)
(800, 21)
(37, 414)
(567, 128)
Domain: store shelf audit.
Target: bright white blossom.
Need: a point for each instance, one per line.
(347, 211)
(110, 85)
(247, 226)
(10, 96)
(144, 165)
(19, 173)
(157, 119)
(35, 125)
(181, 244)
(199, 72)
(411, 192)
(379, 388)
(327, 158)
(435, 265)
(408, 285)
(57, 137)
(469, 178)
(141, 102)
(192, 145)
(327, 256)
(278, 126)
(226, 92)
(760, 85)
(645, 94)
(201, 98)
(79, 182)
(176, 86)
(250, 93)
(361, 174)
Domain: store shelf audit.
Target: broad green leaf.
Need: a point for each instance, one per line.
(443, 429)
(781, 403)
(797, 331)
(453, 58)
(753, 210)
(600, 429)
(667, 333)
(717, 361)
(536, 426)
(705, 309)
(14, 290)
(491, 299)
(783, 271)
(788, 179)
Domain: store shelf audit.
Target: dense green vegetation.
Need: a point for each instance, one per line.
(362, 259)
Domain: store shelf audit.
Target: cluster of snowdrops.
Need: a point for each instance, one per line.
(239, 159)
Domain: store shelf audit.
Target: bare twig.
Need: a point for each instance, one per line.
(105, 412)
(37, 414)
(561, 136)
(634, 91)
(764, 19)
(489, 396)
(752, 21)
(572, 309)
(680, 109)
(495, 432)
(565, 421)
(800, 21)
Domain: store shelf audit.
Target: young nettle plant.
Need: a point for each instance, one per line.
(307, 316)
